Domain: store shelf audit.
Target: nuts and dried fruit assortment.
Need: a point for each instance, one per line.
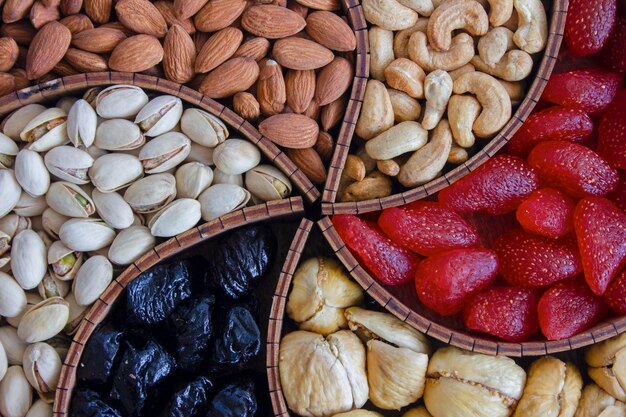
(445, 78)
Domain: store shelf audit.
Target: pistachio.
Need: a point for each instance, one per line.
(91, 95)
(220, 178)
(52, 222)
(10, 191)
(200, 154)
(77, 312)
(32, 299)
(236, 156)
(81, 124)
(8, 150)
(267, 183)
(12, 296)
(192, 179)
(29, 206)
(31, 172)
(64, 262)
(151, 193)
(114, 171)
(66, 103)
(50, 286)
(43, 321)
(28, 259)
(70, 200)
(84, 235)
(12, 224)
(13, 346)
(164, 152)
(220, 199)
(3, 362)
(120, 101)
(130, 244)
(61, 343)
(5, 244)
(46, 130)
(69, 164)
(119, 135)
(93, 278)
(177, 217)
(160, 115)
(40, 409)
(15, 122)
(42, 367)
(203, 128)
(16, 395)
(95, 152)
(113, 209)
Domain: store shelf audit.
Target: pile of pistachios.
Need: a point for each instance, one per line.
(86, 188)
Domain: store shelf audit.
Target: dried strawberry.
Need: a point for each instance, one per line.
(613, 55)
(601, 232)
(428, 228)
(612, 132)
(618, 196)
(547, 212)
(615, 295)
(588, 25)
(446, 282)
(589, 89)
(496, 187)
(506, 312)
(533, 261)
(553, 123)
(388, 261)
(574, 168)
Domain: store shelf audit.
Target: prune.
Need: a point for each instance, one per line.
(192, 400)
(154, 294)
(137, 379)
(98, 358)
(191, 327)
(238, 339)
(240, 260)
(87, 403)
(235, 400)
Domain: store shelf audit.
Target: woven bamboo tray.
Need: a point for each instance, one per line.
(74, 84)
(329, 207)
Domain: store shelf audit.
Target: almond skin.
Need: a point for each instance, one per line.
(47, 49)
(310, 163)
(76, 23)
(256, 48)
(7, 83)
(331, 114)
(141, 16)
(330, 30)
(333, 80)
(272, 22)
(15, 10)
(63, 69)
(246, 106)
(136, 54)
(179, 55)
(233, 76)
(290, 130)
(218, 49)
(324, 146)
(300, 86)
(85, 61)
(99, 11)
(19, 78)
(301, 54)
(98, 40)
(71, 7)
(22, 32)
(8, 53)
(184, 9)
(270, 88)
(331, 5)
(218, 14)
(41, 14)
(166, 8)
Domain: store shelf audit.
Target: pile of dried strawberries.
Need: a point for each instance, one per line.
(561, 267)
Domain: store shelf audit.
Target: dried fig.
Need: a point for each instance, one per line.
(607, 366)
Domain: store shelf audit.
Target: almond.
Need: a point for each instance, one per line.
(271, 88)
(8, 53)
(246, 106)
(233, 76)
(141, 16)
(333, 80)
(272, 22)
(256, 48)
(41, 14)
(218, 49)
(218, 14)
(76, 23)
(184, 9)
(301, 54)
(310, 163)
(313, 111)
(99, 11)
(86, 61)
(7, 83)
(22, 32)
(136, 54)
(331, 114)
(332, 5)
(166, 8)
(98, 40)
(299, 8)
(15, 10)
(330, 30)
(118, 26)
(64, 69)
(324, 146)
(300, 86)
(179, 55)
(290, 130)
(71, 7)
(48, 47)
(20, 78)
(199, 39)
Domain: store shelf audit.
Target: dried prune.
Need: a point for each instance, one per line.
(98, 358)
(87, 403)
(192, 400)
(240, 260)
(141, 371)
(238, 338)
(235, 400)
(191, 327)
(154, 294)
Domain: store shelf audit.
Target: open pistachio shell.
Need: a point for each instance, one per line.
(64, 262)
(84, 235)
(113, 209)
(52, 221)
(120, 101)
(70, 200)
(236, 156)
(130, 244)
(14, 347)
(16, 395)
(28, 259)
(267, 183)
(119, 135)
(43, 321)
(12, 296)
(77, 313)
(81, 124)
(40, 409)
(46, 130)
(29, 206)
(91, 95)
(15, 122)
(8, 150)
(151, 193)
(42, 367)
(203, 128)
(199, 153)
(51, 286)
(93, 278)
(3, 362)
(220, 199)
(31, 172)
(32, 299)
(192, 178)
(69, 164)
(177, 217)
(160, 115)
(10, 191)
(12, 224)
(114, 171)
(5, 243)
(164, 152)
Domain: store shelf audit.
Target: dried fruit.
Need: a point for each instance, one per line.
(612, 132)
(547, 212)
(588, 25)
(613, 55)
(615, 295)
(619, 195)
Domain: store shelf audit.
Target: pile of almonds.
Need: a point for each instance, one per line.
(284, 63)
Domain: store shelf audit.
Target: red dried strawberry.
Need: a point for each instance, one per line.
(533, 261)
(568, 308)
(547, 212)
(428, 228)
(588, 25)
(446, 282)
(601, 232)
(612, 132)
(613, 55)
(506, 312)
(615, 295)
(589, 89)
(619, 195)
(386, 260)
(575, 169)
(496, 187)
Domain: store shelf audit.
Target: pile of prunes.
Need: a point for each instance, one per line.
(181, 342)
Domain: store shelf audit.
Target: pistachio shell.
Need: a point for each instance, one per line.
(28, 259)
(220, 178)
(164, 152)
(81, 124)
(51, 286)
(15, 122)
(220, 199)
(267, 183)
(203, 128)
(10, 191)
(113, 209)
(93, 278)
(5, 243)
(3, 362)
(151, 193)
(94, 152)
(42, 367)
(29, 206)
(69, 164)
(200, 154)
(70, 200)
(16, 395)
(8, 150)
(77, 312)
(52, 222)
(120, 101)
(84, 235)
(119, 135)
(44, 320)
(192, 179)
(12, 224)
(46, 130)
(236, 156)
(32, 299)
(66, 103)
(177, 217)
(160, 115)
(64, 262)
(114, 171)
(12, 297)
(40, 409)
(14, 347)
(130, 244)
(91, 95)
(31, 172)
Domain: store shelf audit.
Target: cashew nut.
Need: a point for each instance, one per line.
(368, 163)
(500, 11)
(426, 163)
(405, 75)
(515, 90)
(354, 168)
(375, 185)
(452, 15)
(401, 38)
(388, 167)
(457, 155)
(514, 66)
(400, 139)
(437, 90)
(389, 14)
(381, 51)
(495, 102)
(532, 30)
(462, 113)
(459, 54)
(405, 107)
(460, 71)
(495, 44)
(423, 7)
(512, 23)
(376, 112)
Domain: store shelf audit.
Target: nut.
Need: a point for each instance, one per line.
(12, 300)
(405, 75)
(192, 179)
(400, 139)
(388, 167)
(532, 30)
(64, 262)
(28, 259)
(29, 206)
(295, 131)
(84, 235)
(164, 152)
(374, 185)
(97, 272)
(31, 173)
(46, 130)
(151, 193)
(460, 53)
(451, 15)
(389, 14)
(218, 49)
(401, 38)
(462, 113)
(331, 31)
(493, 46)
(267, 183)
(222, 198)
(14, 123)
(381, 51)
(81, 124)
(300, 89)
(437, 90)
(44, 320)
(120, 101)
(423, 7)
(119, 135)
(16, 394)
(514, 66)
(500, 11)
(136, 53)
(236, 156)
(69, 164)
(354, 167)
(160, 115)
(272, 22)
(376, 112)
(333, 81)
(457, 155)
(177, 217)
(203, 128)
(42, 368)
(70, 200)
(405, 107)
(271, 88)
(301, 54)
(10, 191)
(179, 54)
(113, 209)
